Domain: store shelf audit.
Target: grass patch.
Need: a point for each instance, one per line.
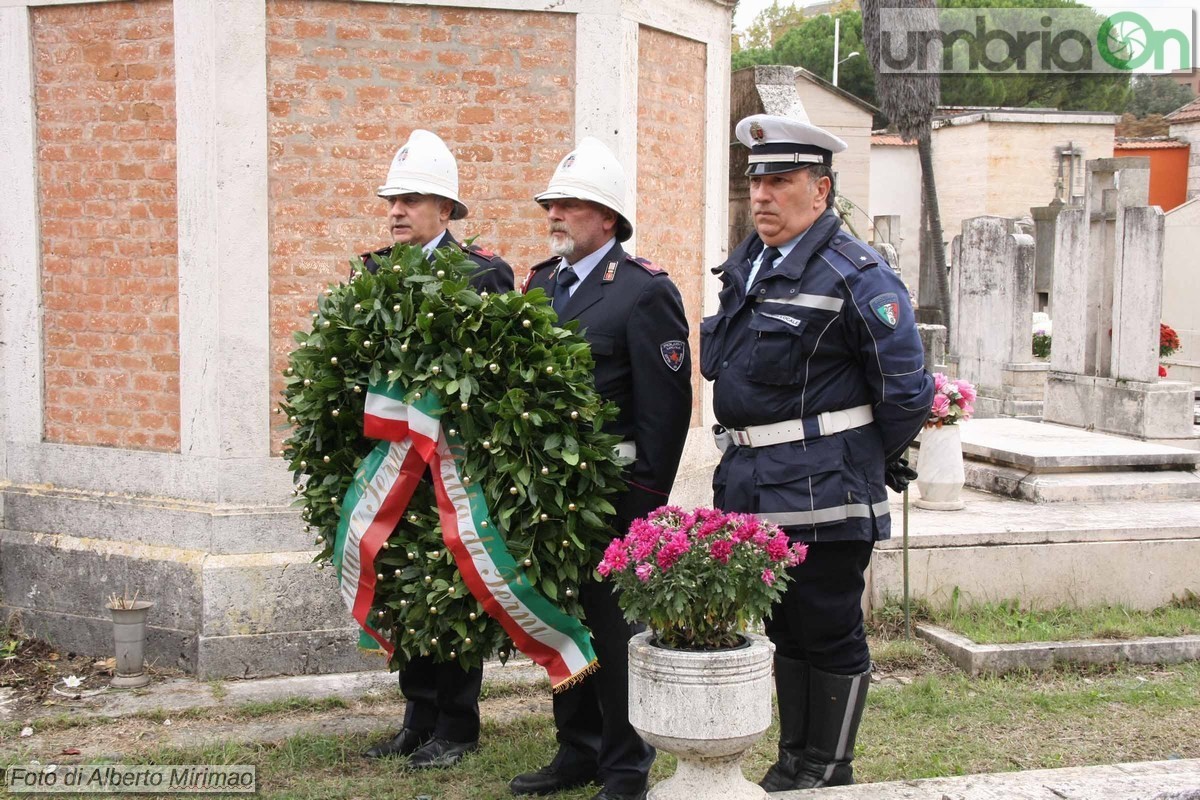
(898, 654)
(1008, 622)
(287, 705)
(942, 723)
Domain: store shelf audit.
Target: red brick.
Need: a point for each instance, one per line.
(328, 149)
(96, 300)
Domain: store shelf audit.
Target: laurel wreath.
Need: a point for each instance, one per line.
(519, 390)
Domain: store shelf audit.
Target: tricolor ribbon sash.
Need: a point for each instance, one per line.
(413, 440)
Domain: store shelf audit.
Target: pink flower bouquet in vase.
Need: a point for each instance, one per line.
(699, 681)
(940, 472)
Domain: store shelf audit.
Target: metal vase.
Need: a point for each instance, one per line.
(129, 640)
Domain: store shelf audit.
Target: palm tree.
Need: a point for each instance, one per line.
(909, 100)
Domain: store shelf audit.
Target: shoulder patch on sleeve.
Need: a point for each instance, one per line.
(886, 308)
(859, 254)
(646, 264)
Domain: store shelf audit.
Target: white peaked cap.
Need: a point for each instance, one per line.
(782, 144)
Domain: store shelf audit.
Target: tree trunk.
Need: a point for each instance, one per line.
(937, 245)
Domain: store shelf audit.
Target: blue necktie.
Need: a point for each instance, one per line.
(562, 288)
(769, 257)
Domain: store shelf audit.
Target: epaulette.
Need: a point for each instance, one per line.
(475, 249)
(857, 253)
(646, 264)
(549, 262)
(383, 251)
(533, 270)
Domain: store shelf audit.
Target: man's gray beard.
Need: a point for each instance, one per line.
(562, 245)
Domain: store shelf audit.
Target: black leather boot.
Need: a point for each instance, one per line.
(791, 690)
(835, 707)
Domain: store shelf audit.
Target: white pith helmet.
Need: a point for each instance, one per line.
(591, 172)
(424, 165)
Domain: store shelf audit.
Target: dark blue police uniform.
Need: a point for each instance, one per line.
(828, 330)
(632, 316)
(442, 700)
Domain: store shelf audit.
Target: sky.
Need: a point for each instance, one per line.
(749, 9)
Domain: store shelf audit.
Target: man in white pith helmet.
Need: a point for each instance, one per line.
(421, 192)
(632, 316)
(441, 712)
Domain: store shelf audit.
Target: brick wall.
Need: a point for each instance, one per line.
(347, 83)
(670, 180)
(105, 98)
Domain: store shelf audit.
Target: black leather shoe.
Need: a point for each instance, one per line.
(440, 754)
(551, 779)
(402, 744)
(608, 794)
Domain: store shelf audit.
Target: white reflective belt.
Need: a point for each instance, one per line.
(825, 515)
(792, 430)
(627, 450)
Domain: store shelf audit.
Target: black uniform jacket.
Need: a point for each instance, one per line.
(632, 315)
(492, 273)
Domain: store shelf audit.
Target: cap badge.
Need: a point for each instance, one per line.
(402, 155)
(756, 132)
(568, 161)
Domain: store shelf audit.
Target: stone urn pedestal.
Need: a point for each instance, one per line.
(940, 472)
(706, 708)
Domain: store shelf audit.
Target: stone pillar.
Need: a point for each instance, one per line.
(887, 240)
(1044, 238)
(991, 313)
(933, 340)
(1108, 301)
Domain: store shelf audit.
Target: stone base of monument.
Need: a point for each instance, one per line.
(1133, 552)
(1162, 411)
(225, 604)
(1046, 463)
(1019, 393)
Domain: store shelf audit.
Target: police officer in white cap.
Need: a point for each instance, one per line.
(632, 315)
(441, 712)
(421, 191)
(820, 385)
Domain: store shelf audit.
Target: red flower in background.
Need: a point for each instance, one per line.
(1168, 341)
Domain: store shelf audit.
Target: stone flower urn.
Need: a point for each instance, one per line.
(129, 639)
(706, 708)
(940, 473)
